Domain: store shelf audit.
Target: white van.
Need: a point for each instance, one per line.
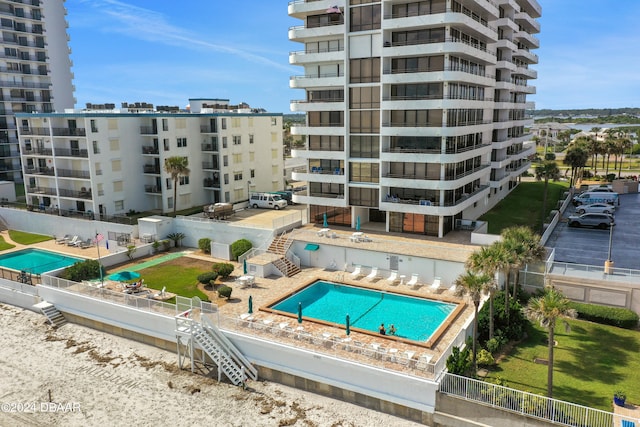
(267, 200)
(590, 197)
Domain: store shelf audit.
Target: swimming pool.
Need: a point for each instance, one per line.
(415, 319)
(36, 261)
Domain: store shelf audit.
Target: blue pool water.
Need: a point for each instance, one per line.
(36, 261)
(414, 318)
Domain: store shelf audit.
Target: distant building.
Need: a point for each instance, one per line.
(103, 160)
(416, 112)
(35, 70)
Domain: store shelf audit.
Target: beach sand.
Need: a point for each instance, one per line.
(96, 379)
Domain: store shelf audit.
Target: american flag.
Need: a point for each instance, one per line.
(334, 9)
(99, 237)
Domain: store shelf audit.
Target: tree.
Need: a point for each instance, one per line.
(546, 310)
(547, 170)
(595, 149)
(176, 166)
(576, 158)
(177, 238)
(474, 285)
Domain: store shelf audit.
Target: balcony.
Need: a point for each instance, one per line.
(303, 8)
(34, 131)
(528, 22)
(322, 199)
(318, 174)
(148, 130)
(302, 57)
(151, 169)
(73, 173)
(207, 129)
(209, 147)
(68, 132)
(153, 189)
(211, 183)
(317, 80)
(526, 55)
(325, 105)
(300, 32)
(37, 151)
(147, 149)
(39, 171)
(72, 152)
(83, 193)
(42, 191)
(210, 166)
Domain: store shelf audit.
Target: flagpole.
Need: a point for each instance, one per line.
(99, 262)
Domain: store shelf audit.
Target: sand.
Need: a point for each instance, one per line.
(76, 376)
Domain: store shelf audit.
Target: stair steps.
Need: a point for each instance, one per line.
(221, 358)
(279, 246)
(55, 318)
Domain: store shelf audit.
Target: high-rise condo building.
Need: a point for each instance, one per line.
(35, 70)
(415, 111)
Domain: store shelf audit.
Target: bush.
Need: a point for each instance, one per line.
(239, 247)
(131, 249)
(205, 245)
(177, 238)
(83, 270)
(484, 358)
(166, 244)
(224, 269)
(459, 362)
(620, 317)
(225, 292)
(512, 330)
(208, 277)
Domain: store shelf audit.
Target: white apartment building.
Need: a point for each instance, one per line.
(35, 70)
(415, 110)
(103, 161)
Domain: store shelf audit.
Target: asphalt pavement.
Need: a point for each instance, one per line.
(590, 246)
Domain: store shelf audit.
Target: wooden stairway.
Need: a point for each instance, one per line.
(279, 246)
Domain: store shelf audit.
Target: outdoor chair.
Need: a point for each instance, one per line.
(436, 284)
(64, 239)
(393, 277)
(85, 244)
(373, 275)
(73, 241)
(423, 361)
(357, 272)
(413, 281)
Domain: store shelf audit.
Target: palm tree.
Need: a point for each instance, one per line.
(547, 170)
(576, 157)
(489, 260)
(546, 310)
(474, 285)
(595, 149)
(176, 166)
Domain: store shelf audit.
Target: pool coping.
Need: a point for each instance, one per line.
(429, 344)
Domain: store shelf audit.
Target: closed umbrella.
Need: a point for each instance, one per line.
(325, 224)
(299, 312)
(244, 266)
(358, 223)
(348, 325)
(250, 305)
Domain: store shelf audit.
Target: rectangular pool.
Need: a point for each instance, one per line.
(36, 261)
(415, 319)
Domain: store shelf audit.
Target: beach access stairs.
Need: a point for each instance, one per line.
(55, 318)
(286, 263)
(204, 334)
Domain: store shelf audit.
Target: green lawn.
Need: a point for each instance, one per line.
(4, 245)
(591, 362)
(178, 278)
(524, 206)
(27, 238)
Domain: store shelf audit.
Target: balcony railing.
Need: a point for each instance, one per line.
(439, 40)
(72, 173)
(209, 165)
(72, 152)
(42, 190)
(464, 11)
(326, 195)
(39, 171)
(34, 131)
(209, 147)
(151, 169)
(148, 130)
(152, 189)
(208, 182)
(147, 149)
(207, 129)
(37, 151)
(69, 131)
(78, 194)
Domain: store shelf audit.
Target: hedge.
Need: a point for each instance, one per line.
(620, 317)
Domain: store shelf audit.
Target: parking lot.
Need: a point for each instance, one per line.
(590, 246)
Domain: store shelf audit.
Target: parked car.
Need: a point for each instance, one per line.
(602, 189)
(599, 220)
(591, 197)
(596, 208)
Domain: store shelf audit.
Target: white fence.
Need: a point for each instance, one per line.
(528, 404)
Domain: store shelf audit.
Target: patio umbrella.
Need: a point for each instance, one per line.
(299, 312)
(358, 223)
(250, 305)
(348, 325)
(244, 266)
(325, 224)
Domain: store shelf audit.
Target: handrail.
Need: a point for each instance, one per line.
(227, 345)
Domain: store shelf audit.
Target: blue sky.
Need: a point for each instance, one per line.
(165, 52)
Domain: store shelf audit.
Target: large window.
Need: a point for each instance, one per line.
(416, 118)
(324, 46)
(325, 166)
(365, 18)
(365, 70)
(326, 143)
(457, 144)
(325, 189)
(464, 117)
(337, 216)
(324, 20)
(365, 121)
(363, 196)
(364, 172)
(418, 8)
(326, 118)
(417, 91)
(417, 144)
(417, 64)
(364, 97)
(403, 38)
(365, 146)
(325, 95)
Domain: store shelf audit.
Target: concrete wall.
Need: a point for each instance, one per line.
(195, 228)
(19, 294)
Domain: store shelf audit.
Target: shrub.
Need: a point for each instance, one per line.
(459, 362)
(131, 249)
(484, 358)
(208, 277)
(225, 292)
(205, 245)
(177, 238)
(239, 247)
(620, 317)
(166, 244)
(224, 269)
(83, 270)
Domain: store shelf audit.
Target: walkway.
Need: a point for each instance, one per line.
(153, 262)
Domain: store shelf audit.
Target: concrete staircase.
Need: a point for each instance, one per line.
(279, 246)
(55, 318)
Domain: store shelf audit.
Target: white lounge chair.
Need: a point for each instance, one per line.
(373, 274)
(393, 277)
(413, 281)
(437, 281)
(74, 241)
(63, 239)
(357, 272)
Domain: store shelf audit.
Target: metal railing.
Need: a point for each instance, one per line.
(527, 404)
